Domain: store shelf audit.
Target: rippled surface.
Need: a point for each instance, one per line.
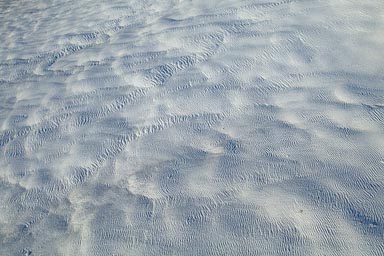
(191, 127)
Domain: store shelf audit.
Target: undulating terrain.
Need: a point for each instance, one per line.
(207, 127)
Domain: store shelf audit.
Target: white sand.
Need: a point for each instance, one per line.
(192, 127)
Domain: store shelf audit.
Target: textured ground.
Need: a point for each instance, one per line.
(192, 127)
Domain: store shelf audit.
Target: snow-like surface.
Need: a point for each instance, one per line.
(192, 127)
